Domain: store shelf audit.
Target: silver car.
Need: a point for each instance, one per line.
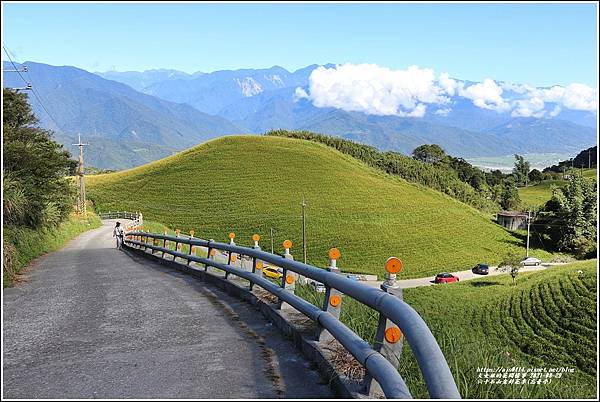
(531, 261)
(318, 286)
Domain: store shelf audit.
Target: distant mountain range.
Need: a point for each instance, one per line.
(135, 117)
(130, 127)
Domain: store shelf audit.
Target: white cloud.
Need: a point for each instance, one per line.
(555, 111)
(580, 97)
(517, 88)
(449, 85)
(300, 93)
(372, 89)
(528, 108)
(574, 96)
(376, 90)
(486, 95)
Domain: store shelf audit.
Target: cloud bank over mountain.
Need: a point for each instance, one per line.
(377, 90)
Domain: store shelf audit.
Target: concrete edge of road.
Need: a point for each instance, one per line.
(300, 335)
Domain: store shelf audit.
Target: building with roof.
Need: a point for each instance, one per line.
(512, 220)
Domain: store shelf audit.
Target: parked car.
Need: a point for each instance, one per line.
(318, 286)
(531, 261)
(271, 272)
(445, 277)
(481, 269)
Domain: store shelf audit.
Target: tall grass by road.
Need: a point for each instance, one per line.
(22, 245)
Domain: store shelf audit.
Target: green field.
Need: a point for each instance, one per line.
(536, 196)
(590, 173)
(249, 184)
(547, 319)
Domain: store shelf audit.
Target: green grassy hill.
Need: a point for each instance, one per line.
(536, 196)
(548, 319)
(249, 184)
(590, 173)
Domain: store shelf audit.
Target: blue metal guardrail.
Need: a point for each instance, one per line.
(436, 373)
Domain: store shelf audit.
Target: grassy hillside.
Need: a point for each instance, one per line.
(590, 173)
(547, 319)
(250, 184)
(400, 165)
(538, 195)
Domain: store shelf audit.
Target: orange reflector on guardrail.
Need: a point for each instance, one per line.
(255, 237)
(233, 258)
(231, 235)
(334, 253)
(287, 244)
(393, 334)
(335, 300)
(289, 279)
(393, 265)
(259, 265)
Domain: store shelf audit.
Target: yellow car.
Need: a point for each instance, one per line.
(271, 272)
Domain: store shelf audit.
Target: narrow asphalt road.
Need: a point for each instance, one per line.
(462, 276)
(95, 322)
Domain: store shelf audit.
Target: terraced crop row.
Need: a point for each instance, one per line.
(554, 321)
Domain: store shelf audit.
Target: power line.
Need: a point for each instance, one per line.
(14, 65)
(37, 96)
(29, 84)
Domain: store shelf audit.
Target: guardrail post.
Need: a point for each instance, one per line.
(255, 263)
(333, 297)
(210, 253)
(288, 279)
(177, 244)
(165, 244)
(192, 250)
(231, 237)
(388, 338)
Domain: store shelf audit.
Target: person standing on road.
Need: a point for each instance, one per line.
(119, 234)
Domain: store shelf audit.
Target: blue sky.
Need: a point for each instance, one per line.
(537, 44)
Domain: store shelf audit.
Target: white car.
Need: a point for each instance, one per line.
(531, 261)
(318, 286)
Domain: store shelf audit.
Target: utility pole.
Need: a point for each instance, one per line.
(27, 86)
(303, 229)
(528, 225)
(81, 207)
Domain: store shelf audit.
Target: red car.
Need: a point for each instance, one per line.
(445, 277)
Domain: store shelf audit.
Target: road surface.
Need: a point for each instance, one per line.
(462, 276)
(95, 322)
